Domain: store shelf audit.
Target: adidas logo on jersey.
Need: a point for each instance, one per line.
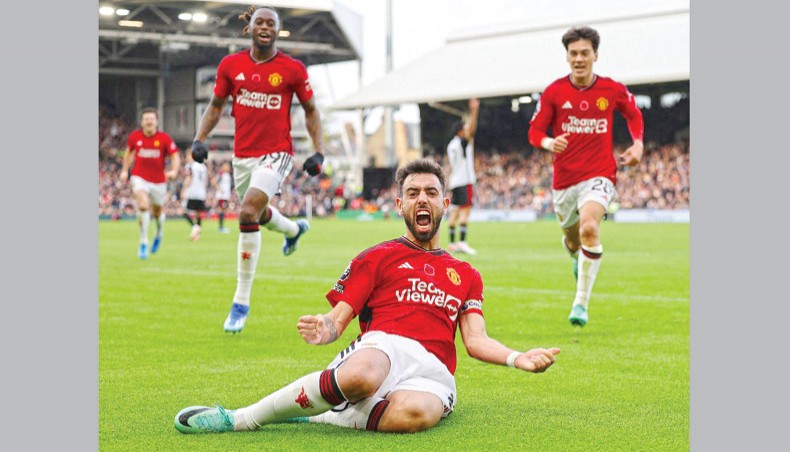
(567, 105)
(240, 76)
(405, 265)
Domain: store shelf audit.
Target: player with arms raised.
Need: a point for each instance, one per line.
(148, 148)
(579, 108)
(411, 297)
(262, 81)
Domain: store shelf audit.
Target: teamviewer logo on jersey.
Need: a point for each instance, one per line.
(428, 293)
(255, 99)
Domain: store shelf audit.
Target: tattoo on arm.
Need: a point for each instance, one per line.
(331, 328)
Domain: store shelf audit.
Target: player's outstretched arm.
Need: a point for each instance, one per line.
(474, 109)
(480, 346)
(325, 328)
(175, 166)
(312, 117)
(207, 123)
(210, 117)
(128, 158)
(632, 155)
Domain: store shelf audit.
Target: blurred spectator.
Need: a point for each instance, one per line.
(509, 179)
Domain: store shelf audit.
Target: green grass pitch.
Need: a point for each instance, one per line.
(621, 383)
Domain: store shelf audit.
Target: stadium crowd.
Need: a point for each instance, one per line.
(509, 179)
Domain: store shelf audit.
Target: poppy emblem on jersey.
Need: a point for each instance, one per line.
(602, 103)
(275, 79)
(584, 105)
(256, 78)
(156, 143)
(139, 142)
(453, 275)
(429, 270)
(246, 255)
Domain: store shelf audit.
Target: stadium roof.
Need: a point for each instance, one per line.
(637, 47)
(321, 31)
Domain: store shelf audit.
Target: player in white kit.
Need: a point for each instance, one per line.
(194, 194)
(224, 188)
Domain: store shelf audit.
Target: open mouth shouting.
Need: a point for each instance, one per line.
(423, 220)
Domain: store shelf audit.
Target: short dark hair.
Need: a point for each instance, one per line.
(420, 166)
(458, 126)
(580, 32)
(149, 110)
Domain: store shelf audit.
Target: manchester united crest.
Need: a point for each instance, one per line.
(275, 79)
(602, 103)
(453, 275)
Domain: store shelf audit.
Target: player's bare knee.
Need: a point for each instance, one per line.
(249, 214)
(410, 418)
(359, 381)
(588, 231)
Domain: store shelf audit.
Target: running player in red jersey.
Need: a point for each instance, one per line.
(262, 81)
(579, 109)
(148, 148)
(411, 297)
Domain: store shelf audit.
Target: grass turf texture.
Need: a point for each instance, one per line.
(621, 383)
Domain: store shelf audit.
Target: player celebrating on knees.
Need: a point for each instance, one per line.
(461, 154)
(579, 108)
(397, 376)
(147, 148)
(262, 81)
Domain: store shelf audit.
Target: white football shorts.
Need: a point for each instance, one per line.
(412, 368)
(265, 173)
(156, 192)
(568, 201)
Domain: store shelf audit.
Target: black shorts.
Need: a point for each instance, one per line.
(462, 196)
(196, 204)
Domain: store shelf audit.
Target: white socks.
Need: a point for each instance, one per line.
(306, 396)
(280, 223)
(355, 416)
(247, 260)
(589, 263)
(143, 220)
(160, 222)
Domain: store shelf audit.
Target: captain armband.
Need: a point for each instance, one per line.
(472, 304)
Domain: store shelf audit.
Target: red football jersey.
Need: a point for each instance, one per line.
(587, 115)
(399, 288)
(262, 94)
(149, 154)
